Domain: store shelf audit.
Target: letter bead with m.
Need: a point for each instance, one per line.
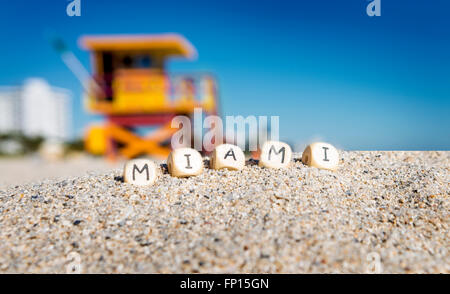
(140, 172)
(275, 154)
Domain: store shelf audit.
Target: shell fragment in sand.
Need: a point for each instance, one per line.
(321, 155)
(275, 154)
(140, 172)
(185, 162)
(227, 156)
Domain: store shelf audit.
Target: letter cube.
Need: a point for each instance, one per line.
(321, 155)
(227, 156)
(140, 172)
(185, 162)
(275, 155)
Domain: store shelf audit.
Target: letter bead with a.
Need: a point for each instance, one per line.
(227, 156)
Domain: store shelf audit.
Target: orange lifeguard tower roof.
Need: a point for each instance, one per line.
(169, 44)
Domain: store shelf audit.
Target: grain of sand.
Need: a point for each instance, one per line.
(391, 205)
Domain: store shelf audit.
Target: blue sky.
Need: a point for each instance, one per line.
(325, 67)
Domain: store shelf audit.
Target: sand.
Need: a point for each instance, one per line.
(384, 212)
(29, 169)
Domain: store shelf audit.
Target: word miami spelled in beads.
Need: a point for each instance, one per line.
(187, 162)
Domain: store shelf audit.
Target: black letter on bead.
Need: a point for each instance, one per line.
(272, 148)
(135, 168)
(325, 152)
(188, 161)
(230, 153)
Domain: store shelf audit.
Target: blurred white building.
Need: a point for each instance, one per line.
(36, 109)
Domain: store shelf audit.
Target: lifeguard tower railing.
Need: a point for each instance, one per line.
(142, 91)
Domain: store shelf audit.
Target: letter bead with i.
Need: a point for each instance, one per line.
(140, 172)
(227, 156)
(275, 154)
(321, 155)
(185, 162)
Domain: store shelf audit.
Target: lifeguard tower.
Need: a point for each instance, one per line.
(133, 91)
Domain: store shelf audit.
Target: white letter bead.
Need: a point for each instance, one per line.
(321, 155)
(140, 172)
(227, 156)
(185, 162)
(275, 155)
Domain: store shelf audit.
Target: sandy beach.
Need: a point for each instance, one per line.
(382, 210)
(30, 169)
